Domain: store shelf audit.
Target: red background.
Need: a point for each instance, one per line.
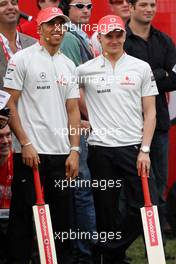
(165, 20)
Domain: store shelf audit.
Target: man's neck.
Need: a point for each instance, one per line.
(9, 31)
(113, 58)
(51, 49)
(139, 29)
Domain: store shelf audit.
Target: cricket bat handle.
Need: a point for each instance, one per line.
(146, 191)
(38, 189)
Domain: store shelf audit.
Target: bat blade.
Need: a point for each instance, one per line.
(152, 234)
(44, 233)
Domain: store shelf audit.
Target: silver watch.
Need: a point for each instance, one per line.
(74, 148)
(145, 149)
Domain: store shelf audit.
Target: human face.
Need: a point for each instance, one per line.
(5, 141)
(52, 32)
(80, 15)
(9, 11)
(48, 3)
(143, 11)
(121, 8)
(112, 43)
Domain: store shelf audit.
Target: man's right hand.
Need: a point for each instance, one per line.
(30, 156)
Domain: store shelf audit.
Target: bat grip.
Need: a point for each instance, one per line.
(38, 189)
(146, 191)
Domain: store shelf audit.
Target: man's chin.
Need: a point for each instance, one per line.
(147, 21)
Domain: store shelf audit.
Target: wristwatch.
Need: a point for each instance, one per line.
(145, 149)
(74, 148)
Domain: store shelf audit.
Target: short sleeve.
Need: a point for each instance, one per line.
(15, 73)
(72, 86)
(149, 86)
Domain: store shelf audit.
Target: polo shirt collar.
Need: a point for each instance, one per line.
(42, 48)
(130, 33)
(104, 61)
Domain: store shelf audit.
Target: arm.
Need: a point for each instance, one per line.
(82, 104)
(83, 109)
(166, 81)
(29, 154)
(72, 162)
(143, 160)
(166, 77)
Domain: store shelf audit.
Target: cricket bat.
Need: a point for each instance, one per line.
(151, 226)
(43, 225)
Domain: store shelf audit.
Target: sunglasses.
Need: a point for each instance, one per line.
(81, 6)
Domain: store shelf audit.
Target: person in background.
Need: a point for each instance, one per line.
(118, 8)
(76, 46)
(30, 27)
(155, 47)
(47, 3)
(6, 174)
(10, 40)
(6, 162)
(44, 104)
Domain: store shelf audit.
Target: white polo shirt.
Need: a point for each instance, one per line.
(114, 99)
(45, 84)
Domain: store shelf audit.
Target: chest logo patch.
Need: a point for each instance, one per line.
(127, 81)
(42, 75)
(61, 80)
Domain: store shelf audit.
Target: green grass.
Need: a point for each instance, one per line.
(137, 253)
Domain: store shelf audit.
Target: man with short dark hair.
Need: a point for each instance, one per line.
(6, 172)
(44, 104)
(155, 47)
(10, 40)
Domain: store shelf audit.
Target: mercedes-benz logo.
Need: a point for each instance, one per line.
(42, 75)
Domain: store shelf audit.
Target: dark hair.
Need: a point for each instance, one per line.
(132, 2)
(64, 6)
(113, 2)
(5, 112)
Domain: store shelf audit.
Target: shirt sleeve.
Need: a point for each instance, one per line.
(149, 86)
(168, 82)
(15, 73)
(72, 86)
